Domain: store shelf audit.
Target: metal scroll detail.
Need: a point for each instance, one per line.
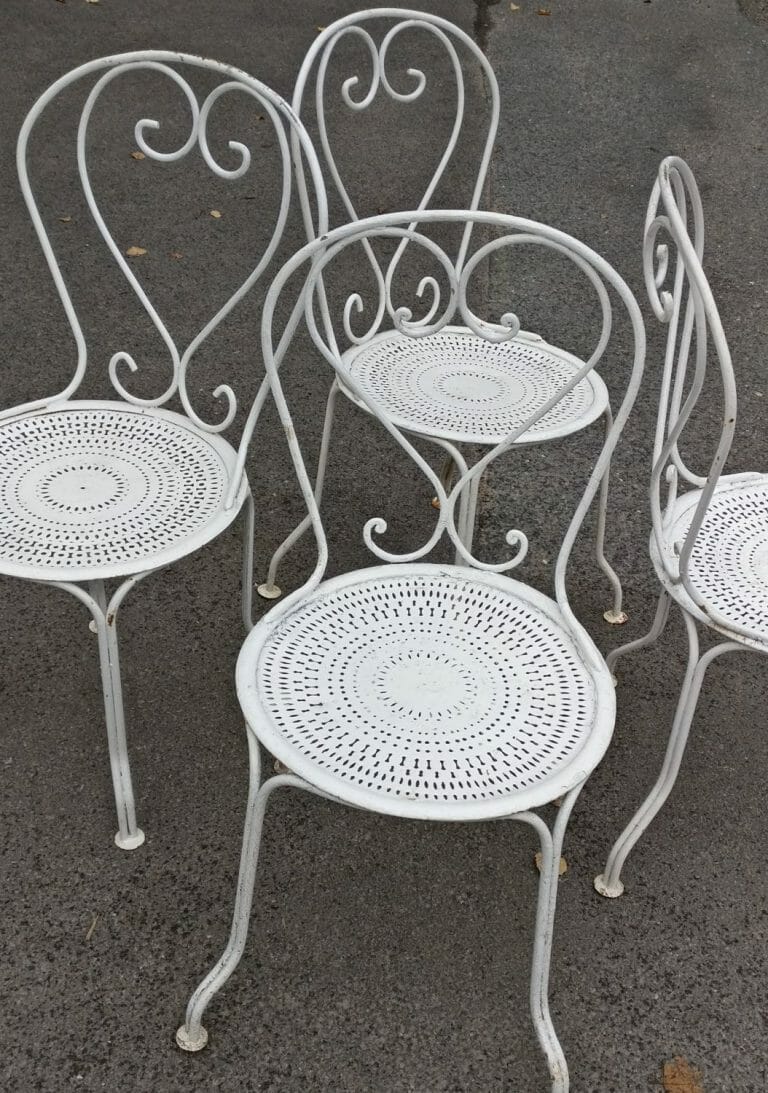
(359, 95)
(694, 332)
(124, 361)
(440, 312)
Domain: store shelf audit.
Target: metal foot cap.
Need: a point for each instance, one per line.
(191, 1043)
(129, 842)
(615, 618)
(612, 891)
(269, 591)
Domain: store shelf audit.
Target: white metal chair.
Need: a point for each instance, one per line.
(93, 491)
(453, 389)
(709, 543)
(434, 692)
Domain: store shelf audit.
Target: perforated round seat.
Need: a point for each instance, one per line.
(427, 691)
(92, 490)
(729, 561)
(458, 386)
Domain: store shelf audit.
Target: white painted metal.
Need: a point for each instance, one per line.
(98, 490)
(709, 543)
(428, 691)
(456, 386)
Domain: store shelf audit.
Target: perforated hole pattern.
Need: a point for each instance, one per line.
(96, 487)
(452, 382)
(434, 688)
(729, 562)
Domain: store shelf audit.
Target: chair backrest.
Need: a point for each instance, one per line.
(269, 109)
(695, 336)
(404, 27)
(438, 268)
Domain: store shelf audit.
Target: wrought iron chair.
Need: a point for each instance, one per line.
(94, 491)
(708, 541)
(426, 691)
(452, 389)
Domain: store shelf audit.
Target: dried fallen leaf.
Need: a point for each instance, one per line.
(544, 11)
(260, 117)
(135, 252)
(91, 928)
(678, 1076)
(176, 254)
(319, 29)
(65, 219)
(563, 863)
(138, 155)
(93, 1)
(215, 214)
(514, 7)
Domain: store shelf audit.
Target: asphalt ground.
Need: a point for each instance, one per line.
(384, 956)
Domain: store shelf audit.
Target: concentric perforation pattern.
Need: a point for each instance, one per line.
(729, 561)
(430, 688)
(88, 488)
(454, 383)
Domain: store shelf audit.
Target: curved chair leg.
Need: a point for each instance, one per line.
(446, 477)
(614, 615)
(551, 850)
(456, 463)
(129, 834)
(659, 622)
(191, 1036)
(249, 529)
(269, 589)
(468, 514)
(608, 883)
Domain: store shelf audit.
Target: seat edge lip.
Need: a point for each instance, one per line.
(553, 786)
(576, 425)
(222, 519)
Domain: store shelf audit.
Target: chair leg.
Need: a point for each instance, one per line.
(608, 883)
(129, 835)
(191, 1036)
(249, 529)
(269, 589)
(659, 622)
(551, 851)
(468, 515)
(615, 614)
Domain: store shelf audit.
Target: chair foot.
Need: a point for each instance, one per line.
(269, 591)
(191, 1043)
(615, 618)
(129, 842)
(611, 891)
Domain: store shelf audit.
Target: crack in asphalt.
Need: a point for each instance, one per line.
(483, 22)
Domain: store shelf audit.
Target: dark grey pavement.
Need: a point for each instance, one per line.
(384, 956)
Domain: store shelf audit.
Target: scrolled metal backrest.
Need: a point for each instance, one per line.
(689, 310)
(406, 23)
(514, 232)
(287, 128)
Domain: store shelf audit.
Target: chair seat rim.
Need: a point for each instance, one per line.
(679, 516)
(573, 772)
(597, 408)
(131, 566)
